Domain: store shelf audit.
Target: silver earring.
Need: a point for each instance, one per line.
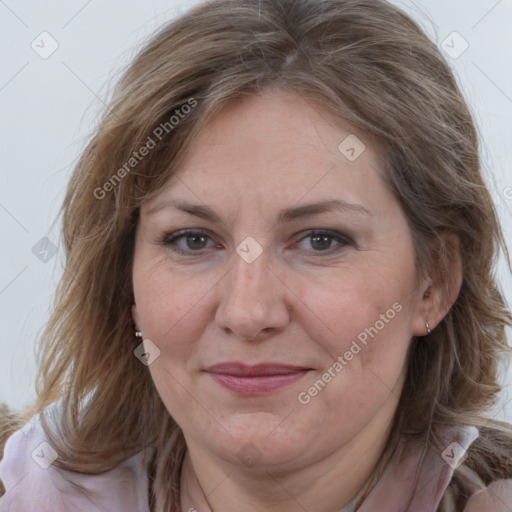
(138, 334)
(429, 330)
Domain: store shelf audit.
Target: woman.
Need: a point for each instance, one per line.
(279, 289)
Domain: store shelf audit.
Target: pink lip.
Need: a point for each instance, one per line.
(255, 379)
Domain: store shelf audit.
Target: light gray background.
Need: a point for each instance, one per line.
(48, 107)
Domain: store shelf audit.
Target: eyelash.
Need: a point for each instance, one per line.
(171, 239)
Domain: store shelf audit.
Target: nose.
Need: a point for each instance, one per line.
(254, 300)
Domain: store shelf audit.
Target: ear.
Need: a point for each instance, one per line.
(135, 317)
(440, 289)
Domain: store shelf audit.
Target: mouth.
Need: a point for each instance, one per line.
(257, 379)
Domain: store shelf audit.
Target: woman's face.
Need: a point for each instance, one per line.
(275, 275)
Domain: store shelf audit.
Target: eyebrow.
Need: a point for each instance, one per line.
(285, 215)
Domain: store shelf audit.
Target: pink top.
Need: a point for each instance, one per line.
(33, 484)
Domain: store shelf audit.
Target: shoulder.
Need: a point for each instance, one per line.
(33, 481)
(497, 497)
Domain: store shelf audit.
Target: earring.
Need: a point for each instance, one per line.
(138, 334)
(429, 330)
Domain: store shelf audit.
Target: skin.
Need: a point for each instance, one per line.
(294, 305)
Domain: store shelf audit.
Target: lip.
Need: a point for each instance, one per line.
(255, 379)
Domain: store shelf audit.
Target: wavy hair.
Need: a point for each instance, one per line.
(364, 62)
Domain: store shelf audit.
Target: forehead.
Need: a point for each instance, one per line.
(275, 147)
(272, 120)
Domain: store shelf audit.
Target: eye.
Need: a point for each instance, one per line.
(321, 241)
(194, 242)
(187, 241)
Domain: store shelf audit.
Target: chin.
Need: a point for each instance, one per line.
(264, 443)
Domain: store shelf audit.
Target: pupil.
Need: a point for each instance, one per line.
(319, 241)
(325, 241)
(194, 239)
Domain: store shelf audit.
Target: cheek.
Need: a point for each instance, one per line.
(364, 336)
(171, 308)
(361, 322)
(355, 308)
(170, 304)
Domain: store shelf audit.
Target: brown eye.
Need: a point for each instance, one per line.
(321, 242)
(325, 241)
(187, 242)
(195, 241)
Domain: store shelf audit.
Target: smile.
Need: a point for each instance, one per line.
(255, 380)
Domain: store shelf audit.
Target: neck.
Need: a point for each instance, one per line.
(341, 480)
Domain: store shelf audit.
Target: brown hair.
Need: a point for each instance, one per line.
(363, 61)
